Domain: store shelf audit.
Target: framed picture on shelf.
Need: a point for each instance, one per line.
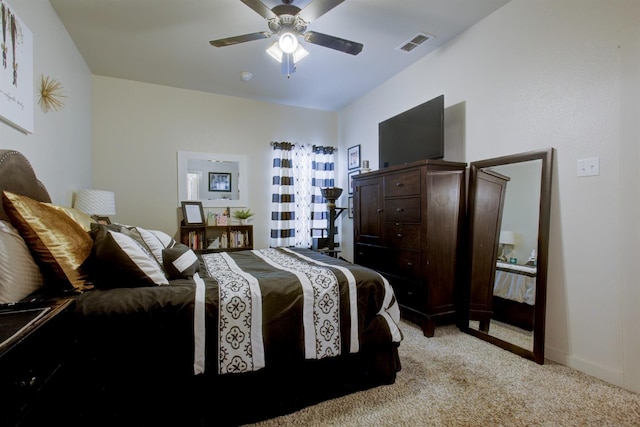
(350, 207)
(193, 213)
(351, 175)
(220, 181)
(353, 157)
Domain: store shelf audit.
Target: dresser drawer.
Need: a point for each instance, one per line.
(370, 256)
(404, 263)
(402, 210)
(402, 236)
(410, 294)
(402, 184)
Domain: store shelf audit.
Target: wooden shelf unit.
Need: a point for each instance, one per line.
(199, 237)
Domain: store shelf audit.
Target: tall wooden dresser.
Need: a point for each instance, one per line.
(407, 226)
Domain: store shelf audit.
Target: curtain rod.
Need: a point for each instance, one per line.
(272, 143)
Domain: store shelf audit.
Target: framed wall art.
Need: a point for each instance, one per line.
(16, 71)
(353, 157)
(193, 213)
(219, 181)
(350, 207)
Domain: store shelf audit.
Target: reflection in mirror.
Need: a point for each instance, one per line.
(216, 180)
(509, 199)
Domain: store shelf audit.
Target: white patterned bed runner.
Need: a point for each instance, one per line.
(241, 347)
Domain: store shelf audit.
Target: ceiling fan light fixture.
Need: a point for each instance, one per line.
(299, 54)
(288, 42)
(277, 53)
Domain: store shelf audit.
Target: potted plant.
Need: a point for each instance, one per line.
(243, 215)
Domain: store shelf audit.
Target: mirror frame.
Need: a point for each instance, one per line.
(546, 155)
(243, 188)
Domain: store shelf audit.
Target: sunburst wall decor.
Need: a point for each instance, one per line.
(50, 94)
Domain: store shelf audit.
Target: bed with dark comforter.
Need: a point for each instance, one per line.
(215, 339)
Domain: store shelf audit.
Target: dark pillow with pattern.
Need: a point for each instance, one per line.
(180, 261)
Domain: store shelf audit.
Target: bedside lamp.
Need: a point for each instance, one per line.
(97, 203)
(507, 238)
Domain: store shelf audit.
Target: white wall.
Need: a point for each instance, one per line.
(138, 129)
(538, 74)
(60, 146)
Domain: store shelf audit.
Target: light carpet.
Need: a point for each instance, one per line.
(454, 379)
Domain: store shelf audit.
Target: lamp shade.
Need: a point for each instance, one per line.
(278, 54)
(507, 238)
(96, 202)
(331, 193)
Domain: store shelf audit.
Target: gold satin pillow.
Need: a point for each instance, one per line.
(58, 243)
(78, 216)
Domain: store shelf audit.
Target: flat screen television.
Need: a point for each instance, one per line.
(416, 134)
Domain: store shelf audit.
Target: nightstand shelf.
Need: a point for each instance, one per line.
(35, 339)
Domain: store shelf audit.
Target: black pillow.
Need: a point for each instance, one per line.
(120, 261)
(180, 261)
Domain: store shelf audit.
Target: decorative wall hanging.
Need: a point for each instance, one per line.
(50, 92)
(353, 157)
(16, 70)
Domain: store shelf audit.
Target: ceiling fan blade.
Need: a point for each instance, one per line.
(317, 8)
(260, 8)
(240, 39)
(332, 42)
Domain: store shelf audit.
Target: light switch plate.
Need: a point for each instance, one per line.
(589, 167)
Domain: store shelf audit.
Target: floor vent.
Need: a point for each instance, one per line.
(414, 42)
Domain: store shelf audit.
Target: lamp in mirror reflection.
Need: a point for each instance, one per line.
(507, 242)
(97, 203)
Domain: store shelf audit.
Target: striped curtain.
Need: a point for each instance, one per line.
(299, 171)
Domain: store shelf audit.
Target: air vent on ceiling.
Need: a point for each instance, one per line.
(414, 42)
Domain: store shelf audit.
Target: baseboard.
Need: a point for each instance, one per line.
(595, 370)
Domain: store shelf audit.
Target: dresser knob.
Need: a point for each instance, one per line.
(399, 234)
(399, 184)
(399, 210)
(410, 264)
(378, 210)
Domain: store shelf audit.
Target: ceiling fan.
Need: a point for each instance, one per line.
(288, 21)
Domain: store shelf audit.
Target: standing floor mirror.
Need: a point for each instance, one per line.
(507, 251)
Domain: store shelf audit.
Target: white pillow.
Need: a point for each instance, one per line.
(20, 276)
(156, 241)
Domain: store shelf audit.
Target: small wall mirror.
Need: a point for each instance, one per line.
(509, 208)
(216, 180)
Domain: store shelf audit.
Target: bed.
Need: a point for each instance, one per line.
(164, 335)
(514, 294)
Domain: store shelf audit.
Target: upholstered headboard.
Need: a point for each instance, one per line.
(17, 176)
